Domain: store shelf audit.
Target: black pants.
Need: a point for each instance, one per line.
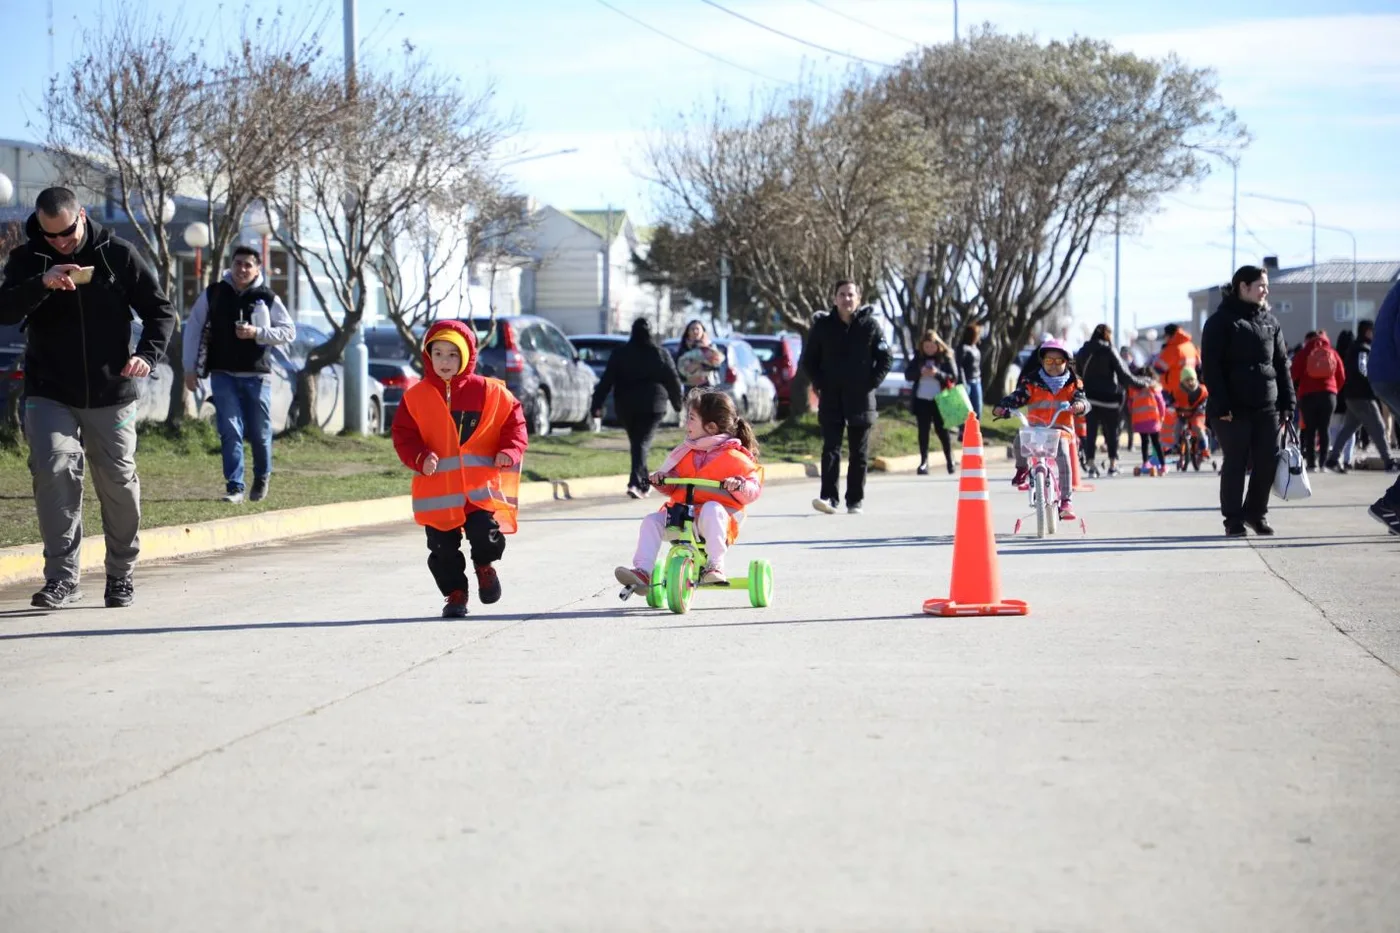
(1155, 440)
(1248, 436)
(641, 428)
(445, 559)
(927, 414)
(1110, 420)
(1316, 409)
(858, 435)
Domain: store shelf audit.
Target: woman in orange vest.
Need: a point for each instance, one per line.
(463, 435)
(719, 445)
(1042, 393)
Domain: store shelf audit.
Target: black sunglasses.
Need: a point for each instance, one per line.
(66, 231)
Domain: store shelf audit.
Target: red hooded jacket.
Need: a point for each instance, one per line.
(468, 397)
(1310, 385)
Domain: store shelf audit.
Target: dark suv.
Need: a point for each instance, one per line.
(539, 366)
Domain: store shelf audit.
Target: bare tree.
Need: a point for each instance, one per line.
(1041, 144)
(406, 137)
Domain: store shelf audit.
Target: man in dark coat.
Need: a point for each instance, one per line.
(846, 357)
(643, 380)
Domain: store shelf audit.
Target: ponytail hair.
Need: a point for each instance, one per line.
(718, 409)
(1244, 275)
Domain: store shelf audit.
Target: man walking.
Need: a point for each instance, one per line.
(1383, 371)
(232, 325)
(1363, 410)
(846, 357)
(73, 287)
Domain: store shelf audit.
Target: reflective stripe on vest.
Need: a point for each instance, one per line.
(433, 503)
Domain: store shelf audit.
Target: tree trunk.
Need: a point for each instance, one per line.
(9, 420)
(304, 401)
(177, 409)
(801, 401)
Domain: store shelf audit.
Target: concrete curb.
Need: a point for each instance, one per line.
(25, 563)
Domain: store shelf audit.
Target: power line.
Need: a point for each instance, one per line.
(779, 32)
(693, 48)
(861, 22)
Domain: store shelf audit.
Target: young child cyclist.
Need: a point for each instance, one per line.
(1147, 408)
(463, 435)
(718, 445)
(1041, 393)
(1189, 400)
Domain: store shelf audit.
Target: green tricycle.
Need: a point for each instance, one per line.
(676, 577)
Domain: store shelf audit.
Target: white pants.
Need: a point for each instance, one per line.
(711, 520)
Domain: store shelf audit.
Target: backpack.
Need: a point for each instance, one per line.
(1322, 363)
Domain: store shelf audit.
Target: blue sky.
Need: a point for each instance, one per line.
(1317, 84)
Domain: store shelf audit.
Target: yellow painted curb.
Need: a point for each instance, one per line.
(26, 562)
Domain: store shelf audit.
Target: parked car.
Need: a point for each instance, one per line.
(539, 366)
(287, 361)
(384, 343)
(895, 388)
(596, 350)
(742, 379)
(779, 354)
(397, 377)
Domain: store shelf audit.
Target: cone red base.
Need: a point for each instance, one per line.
(946, 607)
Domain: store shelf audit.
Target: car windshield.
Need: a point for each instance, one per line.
(482, 325)
(764, 351)
(385, 343)
(382, 371)
(596, 352)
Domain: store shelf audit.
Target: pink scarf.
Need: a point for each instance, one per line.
(704, 448)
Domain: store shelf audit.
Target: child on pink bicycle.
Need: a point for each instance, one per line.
(1043, 394)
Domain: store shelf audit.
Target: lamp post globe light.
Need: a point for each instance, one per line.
(262, 220)
(197, 237)
(7, 189)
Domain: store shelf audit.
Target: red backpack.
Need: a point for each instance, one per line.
(1322, 362)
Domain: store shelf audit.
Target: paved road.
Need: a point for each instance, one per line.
(1188, 733)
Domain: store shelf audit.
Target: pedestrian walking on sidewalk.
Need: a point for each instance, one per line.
(931, 370)
(229, 337)
(846, 357)
(1383, 373)
(1244, 364)
(1106, 381)
(643, 380)
(1362, 408)
(1319, 375)
(73, 286)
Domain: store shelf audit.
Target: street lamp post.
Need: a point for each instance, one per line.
(1355, 314)
(1313, 213)
(197, 237)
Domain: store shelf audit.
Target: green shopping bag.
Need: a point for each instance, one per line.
(954, 405)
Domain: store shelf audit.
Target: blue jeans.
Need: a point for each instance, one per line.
(974, 395)
(1389, 394)
(242, 406)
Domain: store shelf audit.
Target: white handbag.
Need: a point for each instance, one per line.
(1291, 474)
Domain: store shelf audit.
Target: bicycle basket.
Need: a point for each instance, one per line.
(1040, 442)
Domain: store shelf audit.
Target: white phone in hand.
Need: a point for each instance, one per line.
(81, 276)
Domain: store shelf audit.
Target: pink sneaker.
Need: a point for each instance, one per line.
(638, 579)
(1022, 479)
(1067, 511)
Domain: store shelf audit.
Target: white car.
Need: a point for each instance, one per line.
(895, 388)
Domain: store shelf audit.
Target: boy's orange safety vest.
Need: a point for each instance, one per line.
(730, 462)
(466, 471)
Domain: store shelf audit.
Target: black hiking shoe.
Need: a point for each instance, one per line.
(56, 594)
(259, 491)
(488, 584)
(1259, 526)
(456, 605)
(1235, 529)
(119, 592)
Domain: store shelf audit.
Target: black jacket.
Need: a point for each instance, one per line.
(970, 362)
(228, 307)
(1105, 376)
(1244, 362)
(1358, 384)
(79, 341)
(846, 362)
(947, 370)
(642, 378)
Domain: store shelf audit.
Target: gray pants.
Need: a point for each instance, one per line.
(60, 440)
(1362, 413)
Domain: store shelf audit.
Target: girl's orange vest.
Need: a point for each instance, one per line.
(466, 471)
(1145, 412)
(1040, 409)
(727, 463)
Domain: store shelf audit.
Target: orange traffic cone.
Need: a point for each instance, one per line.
(976, 589)
(1074, 480)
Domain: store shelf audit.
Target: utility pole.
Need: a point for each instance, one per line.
(724, 289)
(955, 22)
(1313, 213)
(1117, 308)
(356, 354)
(604, 313)
(1355, 312)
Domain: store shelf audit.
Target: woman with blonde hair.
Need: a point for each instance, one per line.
(932, 370)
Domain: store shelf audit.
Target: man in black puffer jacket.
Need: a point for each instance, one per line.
(643, 379)
(73, 286)
(847, 357)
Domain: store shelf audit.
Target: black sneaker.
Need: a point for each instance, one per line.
(119, 592)
(56, 594)
(488, 584)
(1235, 529)
(1381, 510)
(259, 491)
(923, 469)
(1336, 467)
(456, 605)
(1259, 526)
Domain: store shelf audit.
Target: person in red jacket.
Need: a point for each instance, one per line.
(463, 435)
(1318, 373)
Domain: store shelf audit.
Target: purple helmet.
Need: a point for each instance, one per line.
(1050, 343)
